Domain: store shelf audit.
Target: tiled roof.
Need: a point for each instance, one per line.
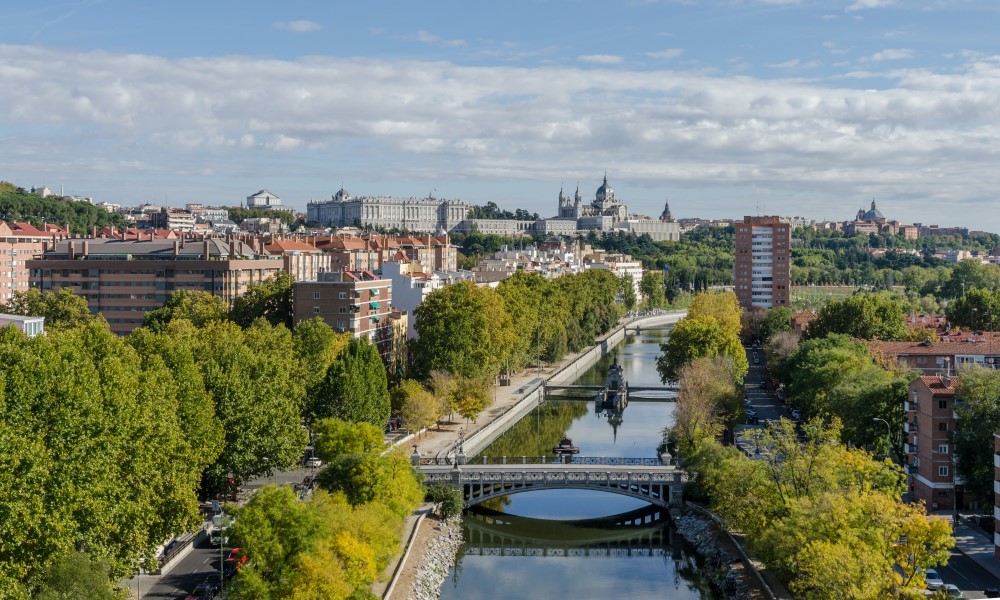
(967, 342)
(940, 386)
(281, 245)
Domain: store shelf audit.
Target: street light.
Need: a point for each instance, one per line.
(888, 434)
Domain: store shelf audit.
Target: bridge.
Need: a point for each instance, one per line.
(641, 534)
(663, 393)
(643, 478)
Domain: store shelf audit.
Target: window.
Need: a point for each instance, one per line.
(943, 449)
(943, 426)
(343, 295)
(315, 310)
(943, 404)
(315, 295)
(943, 471)
(343, 310)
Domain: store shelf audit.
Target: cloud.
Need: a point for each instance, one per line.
(867, 4)
(99, 118)
(891, 54)
(297, 26)
(665, 54)
(430, 38)
(601, 59)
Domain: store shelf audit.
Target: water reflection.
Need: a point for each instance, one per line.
(561, 543)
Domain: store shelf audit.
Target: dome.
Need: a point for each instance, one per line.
(342, 194)
(874, 214)
(605, 189)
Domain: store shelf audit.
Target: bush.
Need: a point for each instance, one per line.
(448, 502)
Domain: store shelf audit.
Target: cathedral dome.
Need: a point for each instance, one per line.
(874, 215)
(342, 194)
(605, 189)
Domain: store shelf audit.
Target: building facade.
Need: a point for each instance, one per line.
(425, 215)
(304, 262)
(928, 428)
(762, 265)
(124, 279)
(19, 243)
(357, 302)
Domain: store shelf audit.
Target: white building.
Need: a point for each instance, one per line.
(31, 326)
(426, 215)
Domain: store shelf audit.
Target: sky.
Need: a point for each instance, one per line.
(723, 108)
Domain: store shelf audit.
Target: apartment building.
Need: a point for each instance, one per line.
(349, 301)
(951, 351)
(930, 420)
(19, 243)
(303, 261)
(996, 494)
(762, 266)
(123, 279)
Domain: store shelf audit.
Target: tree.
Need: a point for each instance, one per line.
(355, 388)
(978, 309)
(62, 309)
(419, 408)
(470, 397)
(316, 346)
(721, 306)
(978, 389)
(388, 479)
(76, 576)
(778, 319)
(448, 501)
(868, 316)
(270, 299)
(969, 275)
(651, 287)
(463, 329)
(694, 337)
(335, 437)
(198, 307)
(628, 292)
(707, 401)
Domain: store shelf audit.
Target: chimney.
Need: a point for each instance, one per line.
(206, 254)
(72, 250)
(177, 248)
(93, 231)
(86, 248)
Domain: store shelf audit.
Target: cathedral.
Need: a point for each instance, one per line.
(604, 205)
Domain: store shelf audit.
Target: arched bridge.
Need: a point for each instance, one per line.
(645, 479)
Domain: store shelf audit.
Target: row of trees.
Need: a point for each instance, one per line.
(823, 516)
(17, 204)
(712, 327)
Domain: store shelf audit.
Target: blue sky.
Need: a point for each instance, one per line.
(725, 108)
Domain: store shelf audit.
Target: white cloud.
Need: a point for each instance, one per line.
(430, 38)
(297, 26)
(105, 117)
(665, 54)
(867, 4)
(601, 59)
(788, 64)
(891, 54)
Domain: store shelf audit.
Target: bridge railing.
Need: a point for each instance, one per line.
(553, 460)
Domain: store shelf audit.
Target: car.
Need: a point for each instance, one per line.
(314, 462)
(932, 579)
(763, 385)
(229, 568)
(204, 592)
(751, 413)
(214, 580)
(796, 415)
(951, 591)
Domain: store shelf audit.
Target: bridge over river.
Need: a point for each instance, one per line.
(643, 478)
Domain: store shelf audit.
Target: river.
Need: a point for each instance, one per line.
(578, 544)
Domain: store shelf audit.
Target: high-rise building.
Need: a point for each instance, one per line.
(762, 269)
(929, 425)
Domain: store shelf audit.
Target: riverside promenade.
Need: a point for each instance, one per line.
(439, 439)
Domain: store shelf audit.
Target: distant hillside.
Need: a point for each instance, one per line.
(16, 204)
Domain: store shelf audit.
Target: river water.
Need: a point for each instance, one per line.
(579, 544)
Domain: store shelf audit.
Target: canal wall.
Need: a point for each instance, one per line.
(533, 392)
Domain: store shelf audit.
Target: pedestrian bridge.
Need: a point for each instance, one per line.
(643, 478)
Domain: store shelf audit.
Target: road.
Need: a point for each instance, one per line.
(182, 579)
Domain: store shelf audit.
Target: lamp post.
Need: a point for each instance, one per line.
(888, 434)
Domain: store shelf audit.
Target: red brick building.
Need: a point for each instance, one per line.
(762, 266)
(930, 421)
(19, 243)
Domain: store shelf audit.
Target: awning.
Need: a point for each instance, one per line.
(373, 304)
(376, 319)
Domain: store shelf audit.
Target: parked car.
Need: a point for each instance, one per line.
(314, 462)
(204, 591)
(952, 592)
(932, 579)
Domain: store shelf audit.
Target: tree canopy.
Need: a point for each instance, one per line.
(355, 388)
(62, 309)
(270, 299)
(16, 204)
(868, 316)
(978, 419)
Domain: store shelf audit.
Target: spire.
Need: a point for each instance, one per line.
(665, 216)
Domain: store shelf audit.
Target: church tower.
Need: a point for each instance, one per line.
(578, 203)
(665, 216)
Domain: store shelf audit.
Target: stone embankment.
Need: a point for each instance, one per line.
(438, 560)
(721, 563)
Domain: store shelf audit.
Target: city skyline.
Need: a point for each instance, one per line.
(725, 109)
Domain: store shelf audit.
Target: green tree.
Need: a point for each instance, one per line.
(470, 397)
(388, 479)
(16, 204)
(651, 287)
(978, 411)
(355, 388)
(868, 316)
(335, 437)
(628, 292)
(968, 275)
(463, 329)
(694, 337)
(62, 309)
(316, 347)
(75, 576)
(707, 401)
(448, 501)
(270, 299)
(777, 320)
(198, 307)
(978, 309)
(419, 408)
